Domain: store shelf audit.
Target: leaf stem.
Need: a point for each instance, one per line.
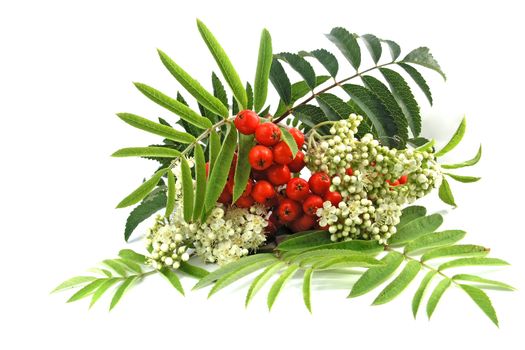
(336, 83)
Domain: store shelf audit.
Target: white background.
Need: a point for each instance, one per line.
(66, 67)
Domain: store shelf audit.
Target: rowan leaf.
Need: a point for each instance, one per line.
(228, 71)
(243, 167)
(187, 190)
(279, 284)
(456, 250)
(326, 58)
(170, 202)
(172, 278)
(416, 300)
(156, 128)
(262, 74)
(445, 193)
(418, 79)
(281, 82)
(374, 276)
(416, 228)
(436, 295)
(300, 65)
(482, 300)
(128, 282)
(423, 57)
(347, 44)
(307, 281)
(261, 279)
(373, 45)
(151, 204)
(394, 288)
(455, 139)
(433, 240)
(151, 151)
(481, 261)
(466, 163)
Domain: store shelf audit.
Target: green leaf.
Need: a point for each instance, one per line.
(347, 44)
(426, 146)
(456, 250)
(411, 213)
(423, 57)
(281, 82)
(155, 128)
(219, 172)
(301, 66)
(87, 290)
(418, 79)
(261, 279)
(385, 127)
(133, 256)
(240, 272)
(242, 168)
(419, 141)
(300, 89)
(374, 276)
(249, 94)
(436, 295)
(187, 190)
(333, 106)
(326, 58)
(225, 65)
(433, 240)
(483, 281)
(339, 259)
(462, 178)
(206, 99)
(482, 300)
(373, 45)
(172, 278)
(404, 98)
(262, 74)
(163, 152)
(143, 190)
(214, 147)
(307, 281)
(310, 115)
(399, 284)
(218, 89)
(390, 103)
(130, 265)
(279, 284)
(174, 106)
(170, 202)
(102, 289)
(416, 301)
(289, 140)
(466, 163)
(115, 266)
(445, 193)
(193, 270)
(307, 240)
(362, 246)
(73, 282)
(455, 139)
(395, 50)
(416, 228)
(153, 202)
(200, 186)
(472, 262)
(128, 282)
(257, 259)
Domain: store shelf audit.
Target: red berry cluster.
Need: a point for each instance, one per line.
(293, 201)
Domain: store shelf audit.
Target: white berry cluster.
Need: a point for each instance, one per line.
(229, 233)
(374, 181)
(166, 243)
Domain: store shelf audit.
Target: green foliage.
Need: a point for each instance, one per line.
(170, 203)
(281, 82)
(326, 58)
(307, 281)
(194, 87)
(262, 74)
(418, 79)
(172, 278)
(174, 106)
(463, 178)
(347, 44)
(142, 191)
(200, 185)
(242, 167)
(155, 128)
(219, 171)
(150, 151)
(289, 140)
(466, 163)
(279, 284)
(394, 288)
(373, 45)
(404, 98)
(153, 202)
(445, 193)
(301, 66)
(187, 190)
(415, 228)
(455, 139)
(228, 71)
(423, 57)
